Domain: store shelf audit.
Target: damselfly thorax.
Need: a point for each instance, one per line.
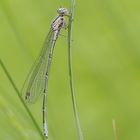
(58, 23)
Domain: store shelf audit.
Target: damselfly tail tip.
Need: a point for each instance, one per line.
(46, 136)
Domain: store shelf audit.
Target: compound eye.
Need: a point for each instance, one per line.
(62, 11)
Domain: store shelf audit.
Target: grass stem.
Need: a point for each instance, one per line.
(70, 70)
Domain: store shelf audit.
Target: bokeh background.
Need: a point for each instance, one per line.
(106, 69)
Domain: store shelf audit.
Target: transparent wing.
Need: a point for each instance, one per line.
(34, 83)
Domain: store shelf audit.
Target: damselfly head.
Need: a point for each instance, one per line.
(63, 12)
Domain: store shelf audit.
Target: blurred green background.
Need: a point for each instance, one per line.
(106, 69)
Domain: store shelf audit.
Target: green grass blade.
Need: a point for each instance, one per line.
(18, 93)
(115, 130)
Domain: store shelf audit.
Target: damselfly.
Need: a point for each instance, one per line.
(36, 82)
